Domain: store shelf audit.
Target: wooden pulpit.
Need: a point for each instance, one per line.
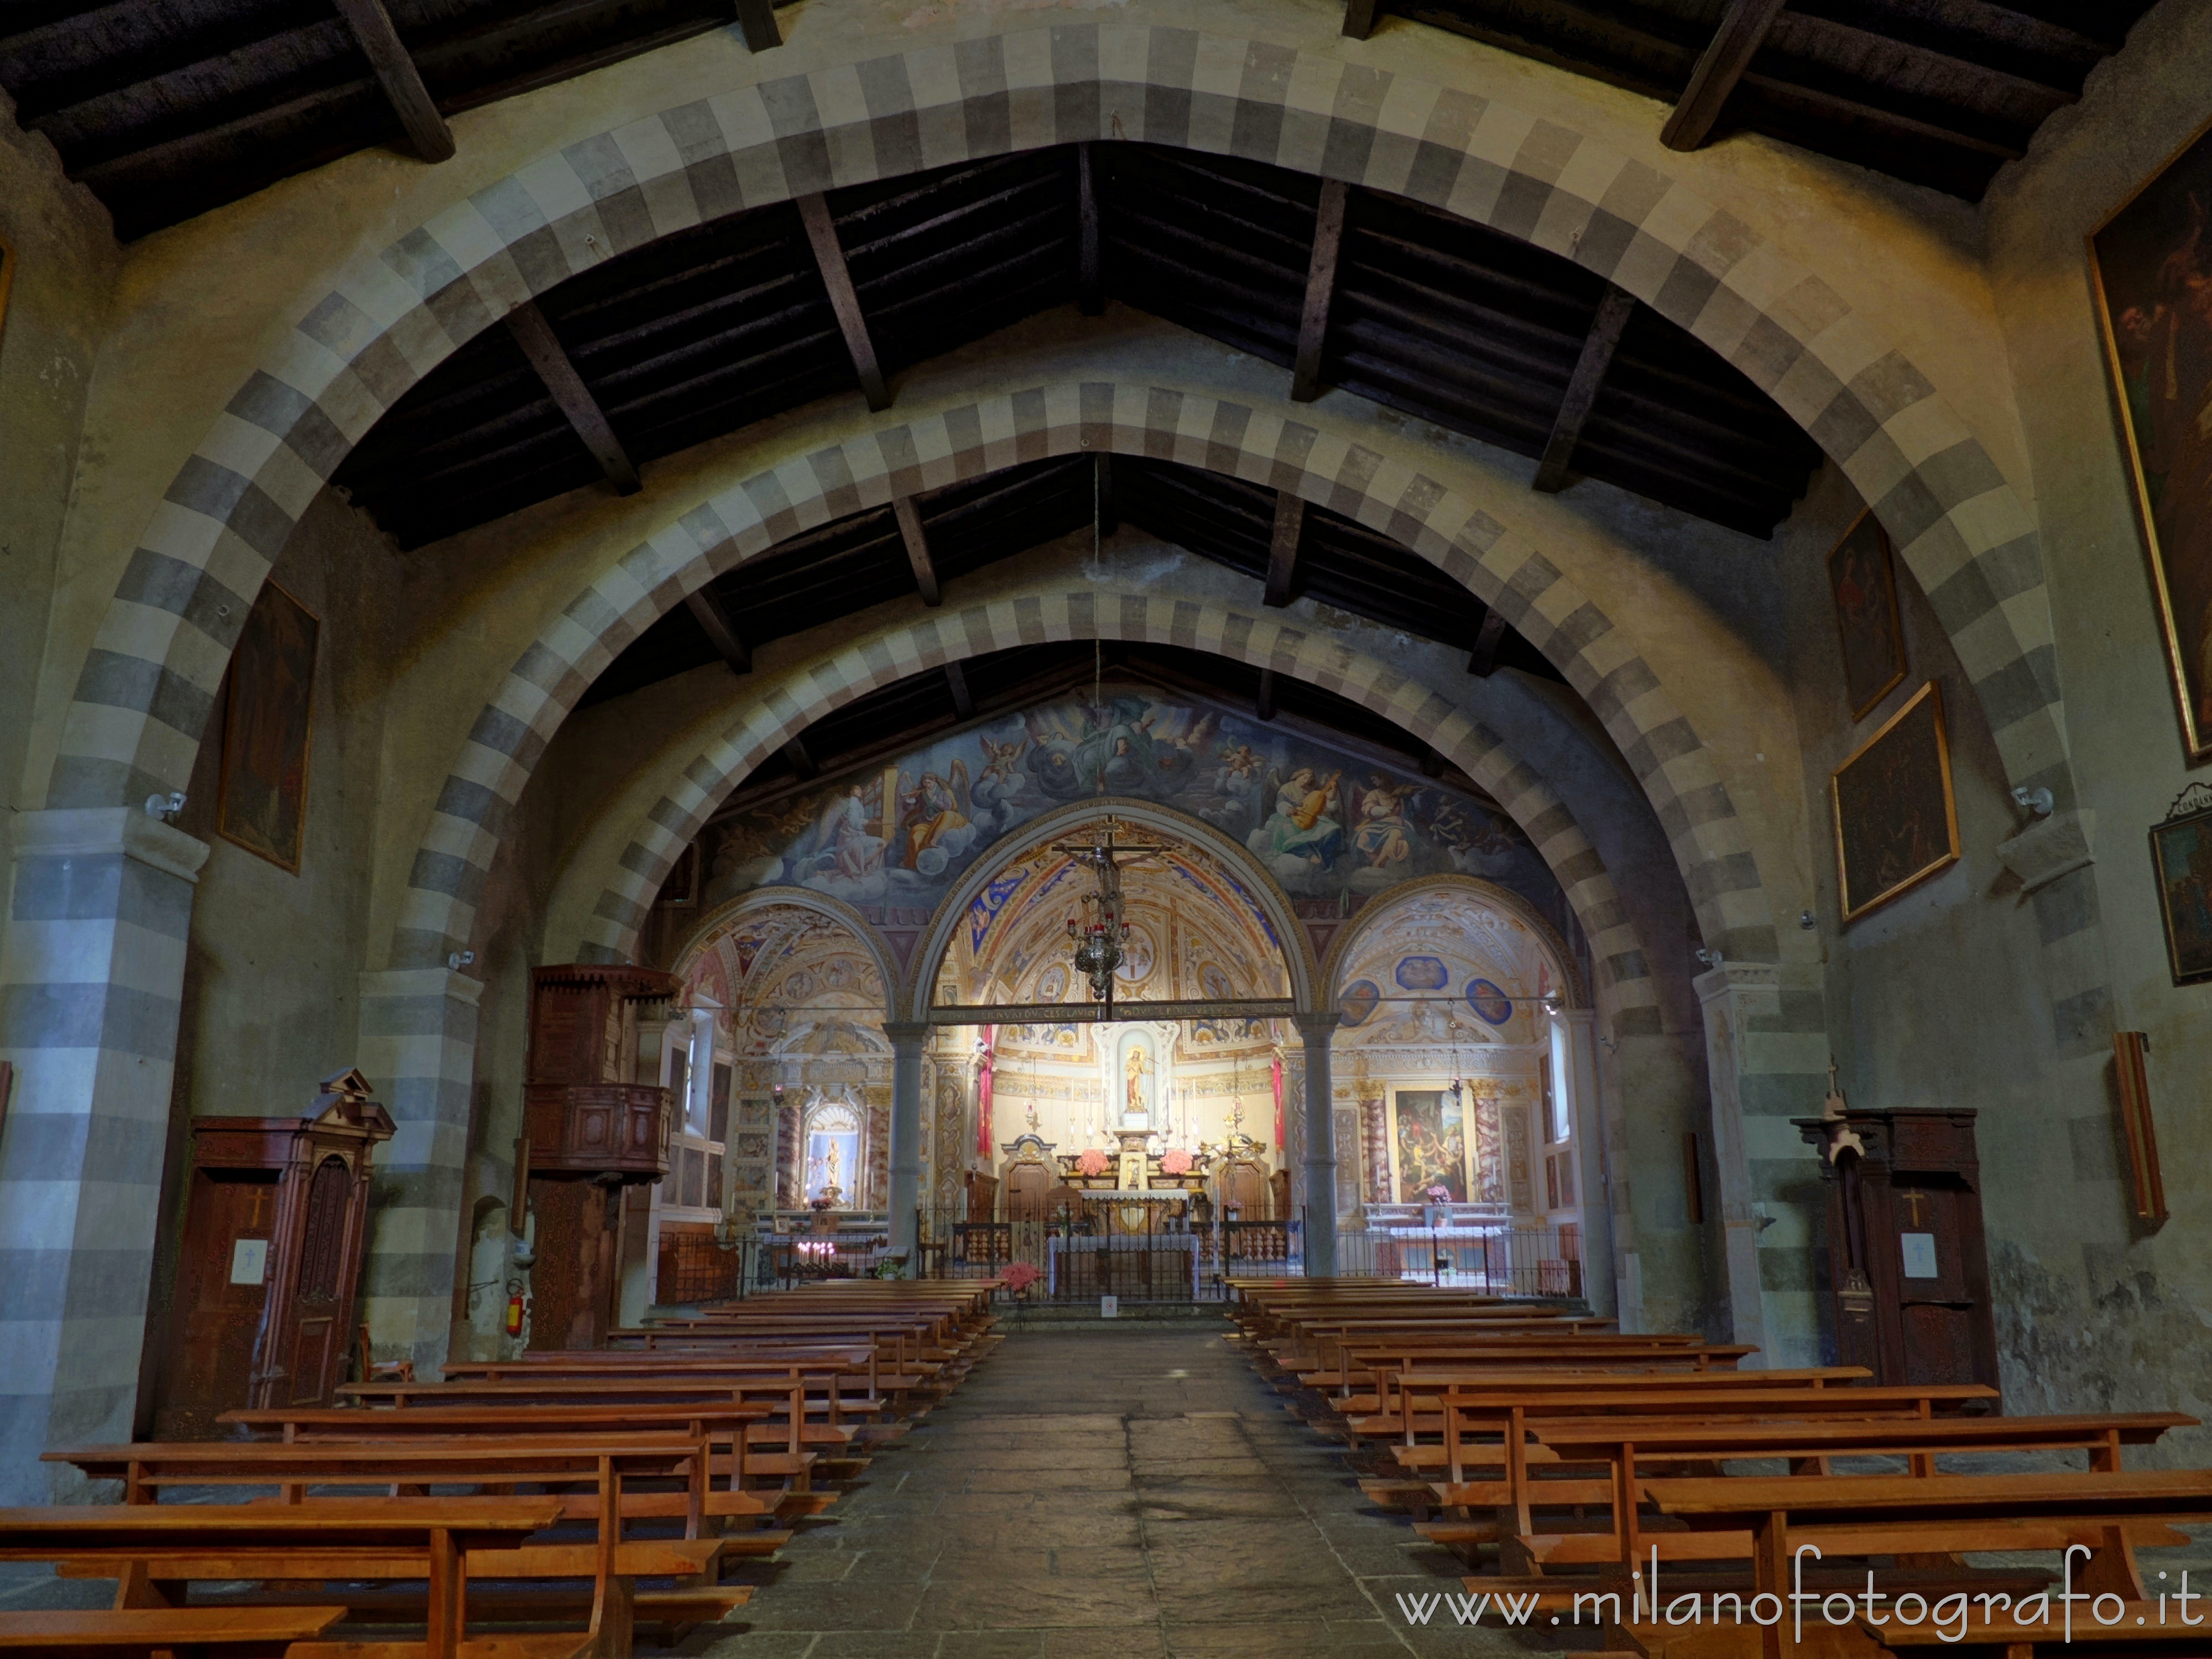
(275, 1225)
(1908, 1270)
(595, 1126)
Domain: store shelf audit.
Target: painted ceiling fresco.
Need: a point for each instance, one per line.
(1332, 826)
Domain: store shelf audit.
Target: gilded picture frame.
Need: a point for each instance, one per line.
(2152, 245)
(1896, 818)
(2181, 863)
(1869, 628)
(268, 729)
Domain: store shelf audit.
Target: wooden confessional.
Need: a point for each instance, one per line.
(1908, 1272)
(275, 1224)
(595, 1128)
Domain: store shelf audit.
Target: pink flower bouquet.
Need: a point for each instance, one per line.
(1021, 1276)
(1175, 1161)
(1091, 1163)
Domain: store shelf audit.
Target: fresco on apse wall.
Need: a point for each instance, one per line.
(1431, 1144)
(2153, 264)
(1332, 828)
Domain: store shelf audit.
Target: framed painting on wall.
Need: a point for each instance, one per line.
(1430, 1136)
(1896, 822)
(261, 802)
(2150, 265)
(2181, 858)
(1863, 581)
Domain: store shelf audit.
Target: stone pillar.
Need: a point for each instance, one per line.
(1766, 1051)
(1318, 1029)
(92, 974)
(418, 1048)
(1574, 1065)
(908, 1039)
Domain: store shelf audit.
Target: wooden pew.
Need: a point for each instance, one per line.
(1619, 1445)
(2111, 1513)
(135, 1633)
(149, 1549)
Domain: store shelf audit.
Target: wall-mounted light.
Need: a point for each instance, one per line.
(460, 959)
(1550, 1002)
(165, 808)
(1710, 958)
(1805, 920)
(2036, 803)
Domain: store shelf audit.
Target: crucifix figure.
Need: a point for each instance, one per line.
(1098, 942)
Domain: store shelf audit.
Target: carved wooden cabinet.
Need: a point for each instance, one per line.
(274, 1225)
(1908, 1270)
(587, 1112)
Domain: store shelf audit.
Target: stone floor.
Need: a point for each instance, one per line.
(1116, 1490)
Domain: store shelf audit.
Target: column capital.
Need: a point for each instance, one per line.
(901, 1032)
(1317, 1026)
(93, 832)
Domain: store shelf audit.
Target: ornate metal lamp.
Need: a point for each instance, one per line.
(1098, 941)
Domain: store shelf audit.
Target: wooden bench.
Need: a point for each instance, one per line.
(184, 1632)
(143, 1546)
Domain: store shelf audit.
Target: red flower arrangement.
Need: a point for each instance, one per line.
(1021, 1276)
(1091, 1163)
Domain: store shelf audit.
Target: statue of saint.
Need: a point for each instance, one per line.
(1133, 1071)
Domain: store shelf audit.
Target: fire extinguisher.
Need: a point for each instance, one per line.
(514, 1314)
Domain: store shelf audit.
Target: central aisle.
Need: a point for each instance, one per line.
(1122, 1491)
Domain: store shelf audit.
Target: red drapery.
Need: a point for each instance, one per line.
(984, 1061)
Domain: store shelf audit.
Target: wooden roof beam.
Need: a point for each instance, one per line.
(1090, 287)
(1359, 18)
(917, 549)
(963, 702)
(757, 22)
(721, 632)
(527, 324)
(844, 299)
(1743, 30)
(801, 761)
(387, 54)
(1603, 339)
(1282, 552)
(1264, 704)
(1483, 663)
(1321, 290)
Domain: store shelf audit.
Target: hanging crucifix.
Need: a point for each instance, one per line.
(1098, 942)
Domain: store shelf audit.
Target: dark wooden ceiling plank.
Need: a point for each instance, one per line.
(401, 81)
(1090, 287)
(1482, 661)
(1743, 29)
(1321, 288)
(1571, 37)
(794, 751)
(955, 681)
(1895, 124)
(757, 23)
(1283, 549)
(535, 336)
(917, 549)
(821, 236)
(1604, 338)
(1263, 704)
(720, 629)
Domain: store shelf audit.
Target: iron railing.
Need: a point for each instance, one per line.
(1501, 1260)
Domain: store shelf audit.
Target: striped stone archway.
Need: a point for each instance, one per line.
(144, 695)
(1679, 775)
(772, 716)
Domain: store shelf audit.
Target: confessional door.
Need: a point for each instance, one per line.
(221, 1288)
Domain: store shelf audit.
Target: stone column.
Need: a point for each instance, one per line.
(418, 1048)
(1574, 1064)
(92, 975)
(908, 1039)
(1317, 1030)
